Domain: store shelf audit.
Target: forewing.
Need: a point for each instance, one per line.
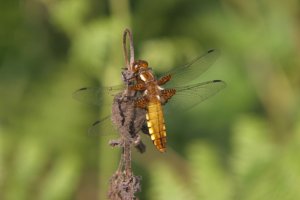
(189, 96)
(102, 127)
(105, 128)
(96, 95)
(192, 70)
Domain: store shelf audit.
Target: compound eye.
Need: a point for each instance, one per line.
(143, 63)
(139, 64)
(135, 67)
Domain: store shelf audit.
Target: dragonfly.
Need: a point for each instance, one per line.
(174, 87)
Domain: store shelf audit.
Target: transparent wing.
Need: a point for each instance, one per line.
(96, 95)
(189, 96)
(128, 123)
(105, 128)
(184, 74)
(102, 127)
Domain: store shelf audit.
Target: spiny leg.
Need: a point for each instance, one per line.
(142, 102)
(167, 94)
(138, 87)
(163, 80)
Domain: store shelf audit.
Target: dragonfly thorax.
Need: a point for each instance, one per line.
(146, 76)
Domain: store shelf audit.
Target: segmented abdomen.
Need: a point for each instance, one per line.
(156, 125)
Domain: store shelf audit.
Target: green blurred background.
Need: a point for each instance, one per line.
(242, 144)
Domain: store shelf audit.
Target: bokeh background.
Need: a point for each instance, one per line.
(241, 144)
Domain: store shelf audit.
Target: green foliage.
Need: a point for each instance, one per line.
(242, 144)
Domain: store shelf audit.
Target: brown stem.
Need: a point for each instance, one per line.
(129, 63)
(129, 120)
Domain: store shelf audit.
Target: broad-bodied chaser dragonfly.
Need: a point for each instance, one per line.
(154, 95)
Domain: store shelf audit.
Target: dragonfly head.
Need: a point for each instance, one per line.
(140, 64)
(141, 69)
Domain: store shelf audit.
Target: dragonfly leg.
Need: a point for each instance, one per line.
(142, 102)
(138, 87)
(145, 129)
(163, 80)
(167, 94)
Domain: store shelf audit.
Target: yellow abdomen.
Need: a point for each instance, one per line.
(156, 125)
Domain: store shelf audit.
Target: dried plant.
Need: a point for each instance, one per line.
(128, 120)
